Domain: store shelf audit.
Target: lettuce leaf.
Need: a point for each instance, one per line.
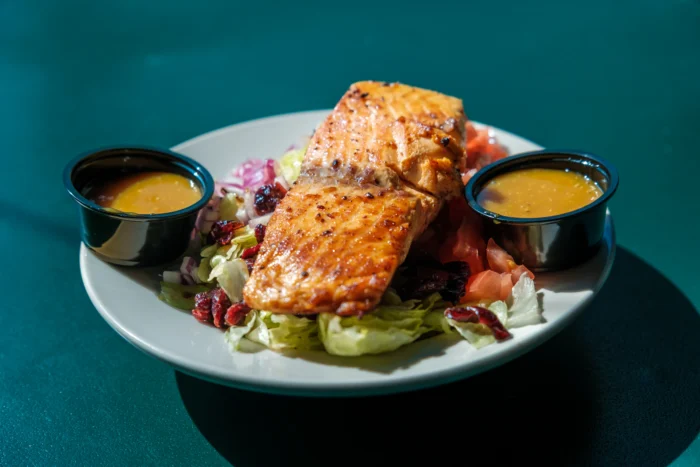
(228, 207)
(435, 320)
(500, 309)
(204, 270)
(215, 259)
(245, 238)
(290, 164)
(386, 329)
(180, 296)
(393, 324)
(209, 251)
(231, 276)
(283, 332)
(348, 337)
(235, 334)
(390, 297)
(476, 334)
(524, 308)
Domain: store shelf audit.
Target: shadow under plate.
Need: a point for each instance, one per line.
(618, 387)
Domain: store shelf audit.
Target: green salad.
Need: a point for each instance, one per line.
(210, 281)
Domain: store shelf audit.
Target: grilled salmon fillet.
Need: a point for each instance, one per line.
(377, 171)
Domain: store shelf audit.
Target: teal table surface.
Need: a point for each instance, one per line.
(621, 386)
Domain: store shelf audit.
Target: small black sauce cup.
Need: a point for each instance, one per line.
(555, 242)
(134, 239)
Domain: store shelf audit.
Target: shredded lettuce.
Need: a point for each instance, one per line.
(436, 321)
(500, 309)
(235, 334)
(209, 251)
(282, 332)
(231, 276)
(290, 164)
(348, 337)
(215, 260)
(524, 308)
(393, 324)
(476, 334)
(390, 297)
(180, 296)
(387, 328)
(228, 207)
(245, 238)
(204, 270)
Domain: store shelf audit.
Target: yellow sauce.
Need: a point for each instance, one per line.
(148, 193)
(530, 193)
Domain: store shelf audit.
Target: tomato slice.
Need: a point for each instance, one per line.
(464, 245)
(481, 149)
(500, 261)
(463, 240)
(506, 285)
(519, 271)
(488, 285)
(485, 285)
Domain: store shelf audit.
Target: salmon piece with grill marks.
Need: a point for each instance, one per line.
(376, 173)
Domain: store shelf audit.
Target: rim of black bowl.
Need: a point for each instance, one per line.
(194, 168)
(517, 160)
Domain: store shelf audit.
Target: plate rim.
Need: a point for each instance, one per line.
(326, 388)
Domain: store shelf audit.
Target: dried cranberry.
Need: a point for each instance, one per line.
(236, 313)
(430, 281)
(222, 232)
(202, 307)
(420, 277)
(455, 288)
(202, 300)
(260, 233)
(202, 314)
(250, 252)
(219, 305)
(267, 197)
(211, 306)
(477, 314)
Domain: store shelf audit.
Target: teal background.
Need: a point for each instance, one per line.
(620, 79)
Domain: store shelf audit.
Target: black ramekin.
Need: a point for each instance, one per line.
(555, 242)
(135, 239)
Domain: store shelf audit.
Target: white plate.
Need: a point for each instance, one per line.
(127, 299)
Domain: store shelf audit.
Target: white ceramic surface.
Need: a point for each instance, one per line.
(127, 300)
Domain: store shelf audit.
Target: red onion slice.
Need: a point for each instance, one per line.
(188, 266)
(187, 279)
